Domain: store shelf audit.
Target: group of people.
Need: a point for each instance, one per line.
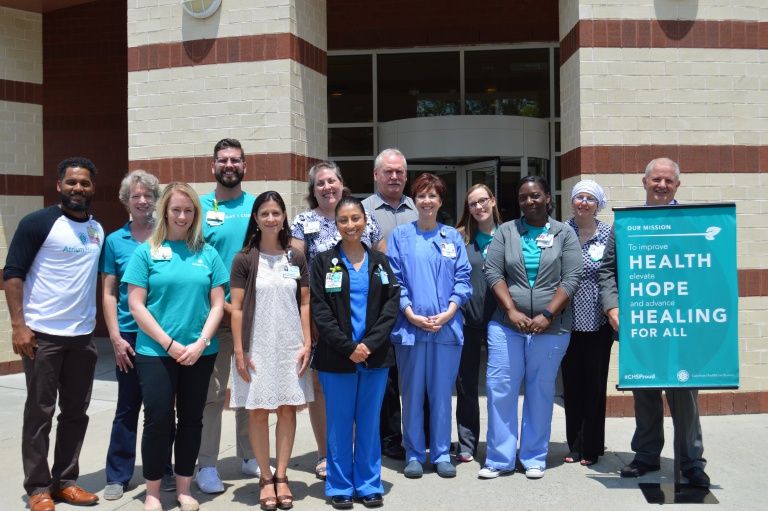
(383, 302)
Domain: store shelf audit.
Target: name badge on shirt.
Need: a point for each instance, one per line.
(311, 227)
(333, 282)
(448, 250)
(596, 252)
(545, 240)
(93, 235)
(291, 271)
(383, 276)
(162, 254)
(214, 218)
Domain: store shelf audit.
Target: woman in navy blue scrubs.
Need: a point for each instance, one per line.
(354, 303)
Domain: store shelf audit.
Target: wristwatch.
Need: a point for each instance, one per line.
(547, 314)
(206, 340)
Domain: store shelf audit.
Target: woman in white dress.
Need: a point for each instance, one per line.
(269, 286)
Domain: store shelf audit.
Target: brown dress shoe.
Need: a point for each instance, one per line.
(41, 502)
(75, 495)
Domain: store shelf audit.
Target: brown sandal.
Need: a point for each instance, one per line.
(269, 503)
(283, 501)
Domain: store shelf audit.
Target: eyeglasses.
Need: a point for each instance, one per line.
(234, 161)
(481, 203)
(585, 199)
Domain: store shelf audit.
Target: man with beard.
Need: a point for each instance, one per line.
(50, 286)
(226, 212)
(391, 208)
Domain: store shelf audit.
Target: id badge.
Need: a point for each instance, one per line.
(333, 282)
(214, 218)
(291, 272)
(93, 235)
(545, 240)
(384, 277)
(162, 254)
(311, 227)
(448, 250)
(596, 252)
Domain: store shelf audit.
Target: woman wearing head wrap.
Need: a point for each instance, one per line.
(585, 366)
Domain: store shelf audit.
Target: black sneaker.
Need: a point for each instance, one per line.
(638, 469)
(697, 477)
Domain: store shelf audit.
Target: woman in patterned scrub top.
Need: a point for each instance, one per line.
(585, 366)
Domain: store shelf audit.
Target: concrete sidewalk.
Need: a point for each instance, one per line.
(736, 447)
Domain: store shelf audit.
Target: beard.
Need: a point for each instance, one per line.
(230, 182)
(76, 206)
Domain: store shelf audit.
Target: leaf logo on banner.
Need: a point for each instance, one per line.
(712, 232)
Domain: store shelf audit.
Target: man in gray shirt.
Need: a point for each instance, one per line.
(391, 208)
(661, 181)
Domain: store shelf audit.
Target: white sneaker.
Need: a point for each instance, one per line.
(534, 473)
(491, 472)
(208, 480)
(251, 468)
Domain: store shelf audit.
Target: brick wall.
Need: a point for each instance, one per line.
(354, 24)
(85, 99)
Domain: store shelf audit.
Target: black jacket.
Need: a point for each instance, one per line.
(332, 315)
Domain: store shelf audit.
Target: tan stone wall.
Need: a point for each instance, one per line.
(21, 133)
(743, 10)
(21, 46)
(670, 96)
(274, 107)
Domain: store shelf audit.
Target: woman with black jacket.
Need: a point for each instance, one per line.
(354, 303)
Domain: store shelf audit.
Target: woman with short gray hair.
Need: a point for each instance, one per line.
(138, 192)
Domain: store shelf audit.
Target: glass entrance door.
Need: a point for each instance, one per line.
(505, 191)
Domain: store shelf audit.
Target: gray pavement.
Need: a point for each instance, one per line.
(736, 447)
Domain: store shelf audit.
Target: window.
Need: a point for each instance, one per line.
(418, 85)
(507, 82)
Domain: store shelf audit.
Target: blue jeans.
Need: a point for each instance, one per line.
(513, 358)
(121, 455)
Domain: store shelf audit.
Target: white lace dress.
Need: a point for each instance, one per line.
(275, 344)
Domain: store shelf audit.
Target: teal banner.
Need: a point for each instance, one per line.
(678, 296)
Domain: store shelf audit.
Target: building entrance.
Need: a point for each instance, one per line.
(501, 176)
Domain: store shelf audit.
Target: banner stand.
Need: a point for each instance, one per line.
(677, 493)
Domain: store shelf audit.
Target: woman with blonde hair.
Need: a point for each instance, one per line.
(479, 219)
(138, 192)
(176, 294)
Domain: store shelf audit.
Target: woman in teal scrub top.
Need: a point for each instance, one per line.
(176, 294)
